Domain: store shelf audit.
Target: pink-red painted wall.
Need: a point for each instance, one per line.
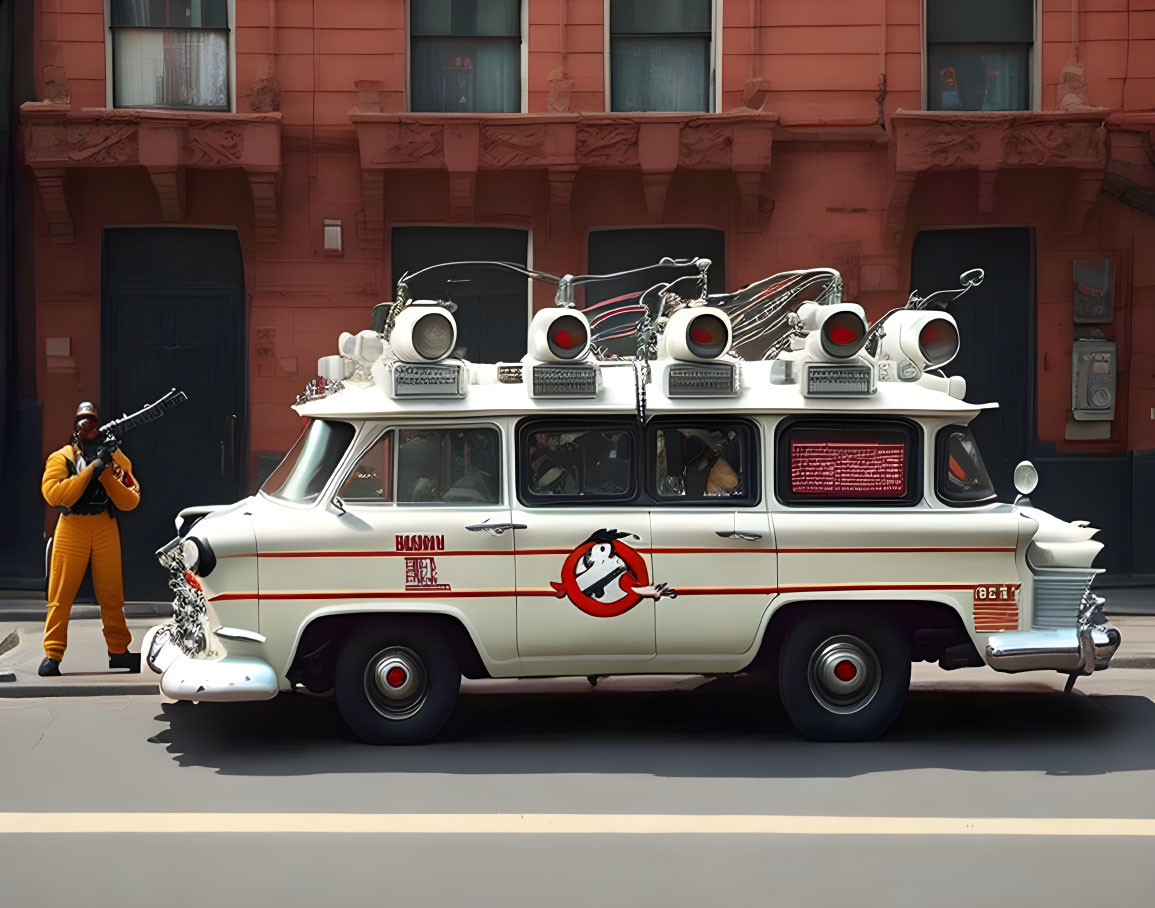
(835, 72)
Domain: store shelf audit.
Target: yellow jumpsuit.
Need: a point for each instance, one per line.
(80, 537)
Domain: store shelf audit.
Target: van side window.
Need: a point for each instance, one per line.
(371, 480)
(581, 463)
(853, 461)
(702, 460)
(960, 474)
(448, 466)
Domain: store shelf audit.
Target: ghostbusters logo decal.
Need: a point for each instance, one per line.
(605, 577)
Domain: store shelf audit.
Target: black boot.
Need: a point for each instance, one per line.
(49, 668)
(131, 661)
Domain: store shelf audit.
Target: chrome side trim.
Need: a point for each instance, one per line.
(237, 633)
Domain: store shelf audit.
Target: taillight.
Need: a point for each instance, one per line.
(567, 337)
(843, 333)
(938, 341)
(707, 336)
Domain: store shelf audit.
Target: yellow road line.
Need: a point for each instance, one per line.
(562, 824)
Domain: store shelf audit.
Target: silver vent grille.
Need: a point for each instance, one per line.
(1058, 595)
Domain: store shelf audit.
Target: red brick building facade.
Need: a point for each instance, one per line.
(314, 140)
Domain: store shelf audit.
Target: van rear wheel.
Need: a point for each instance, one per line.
(842, 677)
(396, 684)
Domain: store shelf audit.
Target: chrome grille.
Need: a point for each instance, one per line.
(1058, 594)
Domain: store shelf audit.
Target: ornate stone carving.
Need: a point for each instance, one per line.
(415, 143)
(212, 144)
(612, 144)
(560, 92)
(514, 146)
(706, 145)
(1055, 144)
(950, 146)
(102, 143)
(57, 89)
(265, 95)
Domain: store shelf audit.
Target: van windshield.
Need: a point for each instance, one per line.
(307, 467)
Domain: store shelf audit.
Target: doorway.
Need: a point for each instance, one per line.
(173, 316)
(996, 333)
(492, 305)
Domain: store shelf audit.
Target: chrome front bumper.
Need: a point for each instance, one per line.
(230, 678)
(1079, 650)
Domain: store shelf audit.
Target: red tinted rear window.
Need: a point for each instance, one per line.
(855, 461)
(871, 469)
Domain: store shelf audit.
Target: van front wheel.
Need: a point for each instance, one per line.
(843, 678)
(396, 685)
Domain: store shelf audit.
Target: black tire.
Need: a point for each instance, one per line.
(360, 683)
(827, 701)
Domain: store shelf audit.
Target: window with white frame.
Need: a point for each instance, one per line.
(978, 54)
(465, 56)
(170, 54)
(660, 55)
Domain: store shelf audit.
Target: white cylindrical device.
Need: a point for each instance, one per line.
(423, 333)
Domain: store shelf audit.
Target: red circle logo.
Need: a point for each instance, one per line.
(602, 574)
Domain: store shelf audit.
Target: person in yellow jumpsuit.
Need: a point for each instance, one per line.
(89, 481)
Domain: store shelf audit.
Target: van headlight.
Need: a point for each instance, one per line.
(198, 556)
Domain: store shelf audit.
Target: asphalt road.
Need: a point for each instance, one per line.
(613, 783)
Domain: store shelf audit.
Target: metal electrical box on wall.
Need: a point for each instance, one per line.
(1092, 300)
(1093, 371)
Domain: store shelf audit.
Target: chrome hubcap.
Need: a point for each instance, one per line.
(396, 682)
(844, 674)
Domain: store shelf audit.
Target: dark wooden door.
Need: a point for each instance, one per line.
(492, 305)
(996, 328)
(173, 317)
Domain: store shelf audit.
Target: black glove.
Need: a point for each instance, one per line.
(111, 442)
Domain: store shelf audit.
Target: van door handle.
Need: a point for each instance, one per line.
(495, 529)
(734, 534)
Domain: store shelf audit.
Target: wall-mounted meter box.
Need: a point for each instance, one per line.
(1093, 379)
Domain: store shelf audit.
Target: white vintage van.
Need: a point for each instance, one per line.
(821, 512)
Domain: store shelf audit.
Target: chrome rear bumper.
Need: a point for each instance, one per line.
(1079, 650)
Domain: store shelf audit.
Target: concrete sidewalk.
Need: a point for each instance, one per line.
(85, 671)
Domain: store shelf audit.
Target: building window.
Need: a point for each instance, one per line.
(171, 54)
(660, 55)
(466, 56)
(979, 54)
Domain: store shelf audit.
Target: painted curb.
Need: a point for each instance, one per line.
(26, 690)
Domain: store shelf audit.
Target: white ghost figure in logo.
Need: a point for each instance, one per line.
(599, 571)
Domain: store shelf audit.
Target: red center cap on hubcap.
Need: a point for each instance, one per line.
(396, 676)
(843, 671)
